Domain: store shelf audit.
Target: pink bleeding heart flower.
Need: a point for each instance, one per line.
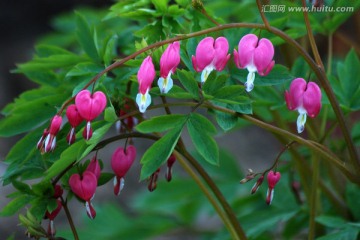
(255, 56)
(170, 162)
(90, 106)
(84, 187)
(40, 144)
(74, 119)
(121, 162)
(169, 61)
(272, 178)
(51, 216)
(153, 180)
(94, 167)
(210, 54)
(305, 98)
(146, 75)
(50, 140)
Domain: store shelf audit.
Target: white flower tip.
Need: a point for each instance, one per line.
(249, 86)
(143, 101)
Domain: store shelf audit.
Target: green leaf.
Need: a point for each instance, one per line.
(213, 83)
(110, 50)
(226, 121)
(15, 205)
(86, 37)
(346, 234)
(348, 74)
(330, 221)
(278, 75)
(29, 115)
(199, 129)
(175, 92)
(22, 187)
(161, 123)
(160, 5)
(188, 81)
(234, 94)
(159, 152)
(66, 158)
(104, 178)
(352, 199)
(85, 68)
(99, 133)
(110, 115)
(44, 77)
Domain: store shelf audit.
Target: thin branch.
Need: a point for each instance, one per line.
(68, 215)
(262, 14)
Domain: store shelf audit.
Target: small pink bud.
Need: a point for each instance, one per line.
(50, 141)
(94, 167)
(121, 162)
(153, 180)
(272, 178)
(58, 191)
(52, 215)
(256, 56)
(170, 163)
(41, 141)
(305, 98)
(257, 184)
(210, 54)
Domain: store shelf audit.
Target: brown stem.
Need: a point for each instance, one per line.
(262, 14)
(68, 215)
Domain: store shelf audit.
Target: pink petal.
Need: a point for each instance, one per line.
(55, 125)
(170, 59)
(205, 53)
(94, 167)
(121, 161)
(73, 115)
(90, 106)
(312, 99)
(221, 53)
(297, 89)
(263, 55)
(84, 187)
(146, 75)
(246, 49)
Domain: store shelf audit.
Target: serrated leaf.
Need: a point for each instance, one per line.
(159, 152)
(234, 94)
(188, 81)
(226, 121)
(175, 92)
(86, 38)
(84, 68)
(213, 83)
(199, 131)
(161, 123)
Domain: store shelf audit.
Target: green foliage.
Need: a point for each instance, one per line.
(82, 49)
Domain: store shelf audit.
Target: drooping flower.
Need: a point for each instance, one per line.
(128, 123)
(305, 98)
(84, 187)
(169, 61)
(257, 184)
(210, 54)
(74, 119)
(50, 140)
(255, 56)
(272, 178)
(153, 180)
(90, 106)
(94, 167)
(51, 216)
(121, 162)
(145, 77)
(170, 162)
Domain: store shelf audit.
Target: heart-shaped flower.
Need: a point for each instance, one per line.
(84, 187)
(74, 119)
(273, 178)
(90, 106)
(121, 162)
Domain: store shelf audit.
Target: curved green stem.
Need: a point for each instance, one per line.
(314, 197)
